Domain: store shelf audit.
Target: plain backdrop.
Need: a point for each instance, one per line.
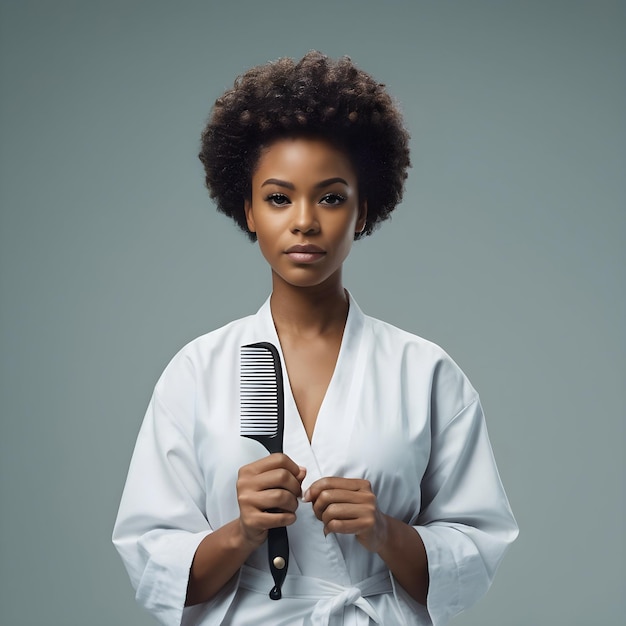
(508, 250)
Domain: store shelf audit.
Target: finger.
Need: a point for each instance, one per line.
(277, 500)
(335, 482)
(276, 479)
(263, 520)
(345, 527)
(272, 462)
(278, 460)
(370, 530)
(279, 478)
(333, 497)
(267, 500)
(364, 515)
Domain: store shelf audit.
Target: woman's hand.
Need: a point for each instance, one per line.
(271, 483)
(268, 492)
(348, 506)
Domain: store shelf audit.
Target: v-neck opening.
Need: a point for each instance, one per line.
(347, 339)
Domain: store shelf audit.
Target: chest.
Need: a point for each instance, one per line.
(370, 424)
(310, 367)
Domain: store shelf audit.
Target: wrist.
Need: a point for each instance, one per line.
(390, 537)
(384, 534)
(243, 540)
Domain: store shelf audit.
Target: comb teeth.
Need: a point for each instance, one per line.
(258, 393)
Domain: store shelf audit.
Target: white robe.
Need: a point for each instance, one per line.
(398, 412)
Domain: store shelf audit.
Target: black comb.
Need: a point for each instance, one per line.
(262, 419)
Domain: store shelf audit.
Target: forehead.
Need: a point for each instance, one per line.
(303, 158)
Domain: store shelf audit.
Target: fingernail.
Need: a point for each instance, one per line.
(307, 496)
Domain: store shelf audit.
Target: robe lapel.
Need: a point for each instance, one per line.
(337, 413)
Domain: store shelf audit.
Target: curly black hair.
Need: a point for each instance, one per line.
(316, 97)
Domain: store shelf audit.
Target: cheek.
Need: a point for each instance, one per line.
(347, 246)
(268, 239)
(345, 232)
(262, 242)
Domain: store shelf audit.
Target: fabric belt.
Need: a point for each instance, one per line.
(331, 597)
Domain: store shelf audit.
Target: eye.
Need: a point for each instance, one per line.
(332, 199)
(277, 199)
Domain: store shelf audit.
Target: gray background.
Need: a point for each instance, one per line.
(508, 250)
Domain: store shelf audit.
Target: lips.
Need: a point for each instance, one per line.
(307, 248)
(304, 253)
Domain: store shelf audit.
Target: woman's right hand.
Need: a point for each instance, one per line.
(274, 482)
(267, 493)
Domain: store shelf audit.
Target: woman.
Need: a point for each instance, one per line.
(387, 483)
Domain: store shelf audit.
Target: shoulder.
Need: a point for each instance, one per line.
(390, 338)
(191, 362)
(216, 340)
(423, 362)
(387, 338)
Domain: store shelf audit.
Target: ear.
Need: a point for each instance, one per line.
(247, 207)
(361, 219)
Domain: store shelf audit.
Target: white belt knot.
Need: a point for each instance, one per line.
(326, 607)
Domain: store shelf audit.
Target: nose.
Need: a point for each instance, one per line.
(304, 218)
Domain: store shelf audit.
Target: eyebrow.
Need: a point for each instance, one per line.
(320, 185)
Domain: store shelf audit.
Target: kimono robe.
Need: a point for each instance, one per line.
(398, 412)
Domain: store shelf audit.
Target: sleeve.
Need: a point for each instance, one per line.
(465, 521)
(160, 522)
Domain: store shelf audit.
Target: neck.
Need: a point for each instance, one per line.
(309, 311)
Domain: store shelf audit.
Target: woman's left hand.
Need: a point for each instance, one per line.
(348, 506)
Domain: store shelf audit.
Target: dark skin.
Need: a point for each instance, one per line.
(294, 204)
(272, 482)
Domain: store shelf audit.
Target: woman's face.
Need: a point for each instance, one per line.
(305, 210)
